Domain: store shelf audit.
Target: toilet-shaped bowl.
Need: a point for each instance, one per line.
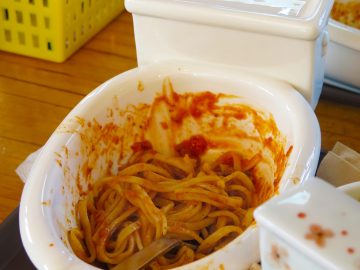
(48, 196)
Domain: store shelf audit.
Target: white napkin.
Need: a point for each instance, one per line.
(340, 166)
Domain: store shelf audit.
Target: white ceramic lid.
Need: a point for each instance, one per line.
(301, 19)
(290, 8)
(317, 220)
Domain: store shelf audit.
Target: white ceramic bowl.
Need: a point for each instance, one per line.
(343, 57)
(45, 203)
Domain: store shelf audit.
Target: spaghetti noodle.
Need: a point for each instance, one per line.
(201, 188)
(208, 204)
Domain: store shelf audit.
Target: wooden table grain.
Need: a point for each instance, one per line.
(36, 95)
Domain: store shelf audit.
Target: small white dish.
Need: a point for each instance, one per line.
(314, 226)
(343, 57)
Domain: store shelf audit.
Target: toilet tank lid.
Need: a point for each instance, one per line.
(300, 19)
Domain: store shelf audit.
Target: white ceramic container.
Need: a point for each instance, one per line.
(286, 40)
(343, 60)
(314, 226)
(49, 196)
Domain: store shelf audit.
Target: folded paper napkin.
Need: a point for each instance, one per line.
(340, 166)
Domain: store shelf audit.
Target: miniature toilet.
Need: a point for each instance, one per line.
(268, 53)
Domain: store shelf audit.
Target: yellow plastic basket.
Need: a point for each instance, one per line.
(52, 29)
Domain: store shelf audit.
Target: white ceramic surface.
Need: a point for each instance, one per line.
(288, 48)
(44, 217)
(343, 59)
(314, 226)
(250, 15)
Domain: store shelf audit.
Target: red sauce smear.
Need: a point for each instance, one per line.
(200, 103)
(195, 146)
(141, 146)
(164, 125)
(203, 103)
(228, 160)
(301, 215)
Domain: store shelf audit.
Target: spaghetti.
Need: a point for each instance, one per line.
(200, 188)
(208, 204)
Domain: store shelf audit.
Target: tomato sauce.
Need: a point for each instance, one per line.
(214, 129)
(141, 146)
(194, 147)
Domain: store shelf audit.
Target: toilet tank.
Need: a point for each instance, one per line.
(283, 39)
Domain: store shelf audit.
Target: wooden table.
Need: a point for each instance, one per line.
(36, 95)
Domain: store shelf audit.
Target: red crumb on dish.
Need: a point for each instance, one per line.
(350, 250)
(164, 125)
(344, 232)
(195, 146)
(141, 146)
(301, 215)
(115, 139)
(203, 103)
